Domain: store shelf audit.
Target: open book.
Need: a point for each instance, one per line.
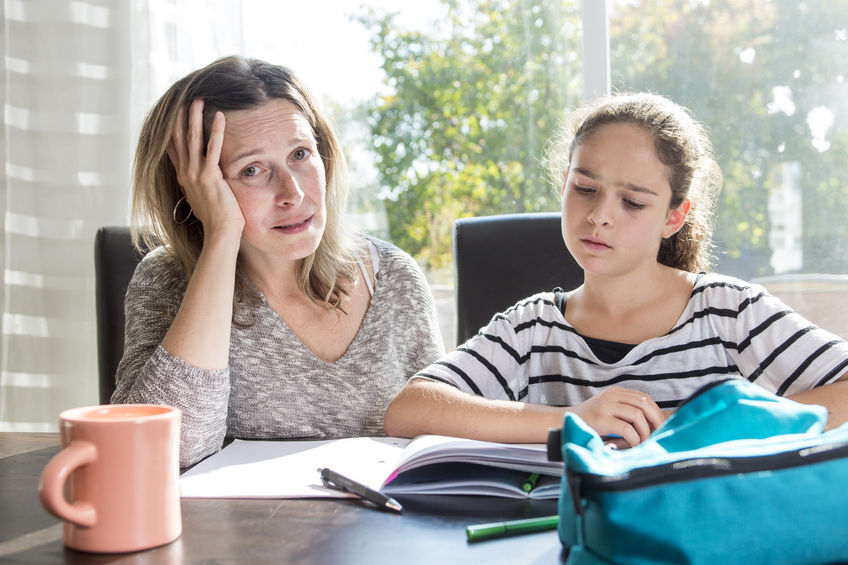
(425, 465)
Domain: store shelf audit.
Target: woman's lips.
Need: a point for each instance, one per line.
(294, 228)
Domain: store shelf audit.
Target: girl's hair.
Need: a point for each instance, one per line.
(681, 143)
(228, 84)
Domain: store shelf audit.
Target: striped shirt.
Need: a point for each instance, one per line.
(729, 329)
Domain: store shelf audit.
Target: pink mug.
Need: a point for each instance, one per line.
(115, 482)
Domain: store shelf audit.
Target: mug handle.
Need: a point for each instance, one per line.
(52, 483)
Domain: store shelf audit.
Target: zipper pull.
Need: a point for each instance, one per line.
(573, 480)
(554, 444)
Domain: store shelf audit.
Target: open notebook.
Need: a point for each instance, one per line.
(425, 465)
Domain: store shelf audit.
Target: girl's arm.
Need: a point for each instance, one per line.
(428, 407)
(833, 396)
(784, 352)
(487, 374)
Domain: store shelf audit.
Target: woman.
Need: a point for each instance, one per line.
(257, 312)
(648, 327)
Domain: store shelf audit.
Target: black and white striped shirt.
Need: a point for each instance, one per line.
(729, 328)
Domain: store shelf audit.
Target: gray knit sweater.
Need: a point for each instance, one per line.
(275, 387)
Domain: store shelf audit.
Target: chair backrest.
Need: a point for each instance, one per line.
(499, 260)
(115, 260)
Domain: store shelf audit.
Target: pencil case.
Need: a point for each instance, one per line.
(736, 475)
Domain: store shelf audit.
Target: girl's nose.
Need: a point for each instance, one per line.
(601, 214)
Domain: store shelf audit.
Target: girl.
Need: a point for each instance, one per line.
(257, 312)
(648, 326)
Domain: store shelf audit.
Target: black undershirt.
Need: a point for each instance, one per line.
(605, 351)
(608, 351)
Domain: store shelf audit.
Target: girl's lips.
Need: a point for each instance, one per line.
(294, 228)
(595, 244)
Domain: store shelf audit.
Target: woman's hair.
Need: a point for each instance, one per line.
(228, 84)
(681, 143)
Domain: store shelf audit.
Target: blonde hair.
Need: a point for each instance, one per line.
(681, 143)
(239, 83)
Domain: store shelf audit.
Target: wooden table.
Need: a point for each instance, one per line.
(431, 529)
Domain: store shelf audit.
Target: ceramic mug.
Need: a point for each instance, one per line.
(115, 482)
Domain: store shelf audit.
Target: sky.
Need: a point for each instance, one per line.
(319, 41)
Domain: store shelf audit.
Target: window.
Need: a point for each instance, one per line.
(454, 108)
(768, 79)
(452, 111)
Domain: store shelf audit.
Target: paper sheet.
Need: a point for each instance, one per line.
(289, 469)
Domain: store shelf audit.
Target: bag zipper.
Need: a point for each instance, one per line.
(698, 468)
(554, 441)
(702, 390)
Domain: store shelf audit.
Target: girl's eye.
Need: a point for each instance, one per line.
(300, 154)
(633, 205)
(583, 189)
(250, 171)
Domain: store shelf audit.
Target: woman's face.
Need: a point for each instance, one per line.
(615, 202)
(270, 160)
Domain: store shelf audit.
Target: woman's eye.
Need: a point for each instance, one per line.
(250, 171)
(300, 154)
(633, 205)
(583, 189)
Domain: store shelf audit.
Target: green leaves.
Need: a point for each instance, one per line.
(468, 107)
(469, 110)
(752, 70)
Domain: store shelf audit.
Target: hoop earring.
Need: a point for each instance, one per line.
(174, 213)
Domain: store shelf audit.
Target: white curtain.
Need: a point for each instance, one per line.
(76, 78)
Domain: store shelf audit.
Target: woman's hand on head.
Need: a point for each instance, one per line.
(621, 412)
(200, 177)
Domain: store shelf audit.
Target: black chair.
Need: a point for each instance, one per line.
(499, 260)
(115, 260)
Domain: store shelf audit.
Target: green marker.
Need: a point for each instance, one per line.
(530, 482)
(501, 529)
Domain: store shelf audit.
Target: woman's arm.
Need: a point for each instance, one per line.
(200, 333)
(178, 339)
(148, 374)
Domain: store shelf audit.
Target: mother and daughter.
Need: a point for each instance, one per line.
(261, 316)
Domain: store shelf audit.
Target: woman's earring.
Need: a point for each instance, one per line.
(174, 214)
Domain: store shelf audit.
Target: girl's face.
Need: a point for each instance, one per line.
(615, 202)
(270, 160)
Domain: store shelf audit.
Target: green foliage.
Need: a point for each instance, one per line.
(468, 110)
(723, 59)
(462, 125)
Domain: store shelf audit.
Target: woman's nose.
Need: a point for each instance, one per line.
(288, 189)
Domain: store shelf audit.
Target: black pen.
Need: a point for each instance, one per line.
(333, 480)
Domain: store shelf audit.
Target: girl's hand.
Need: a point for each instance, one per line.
(210, 197)
(618, 411)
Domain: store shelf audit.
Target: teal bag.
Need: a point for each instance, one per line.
(735, 475)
